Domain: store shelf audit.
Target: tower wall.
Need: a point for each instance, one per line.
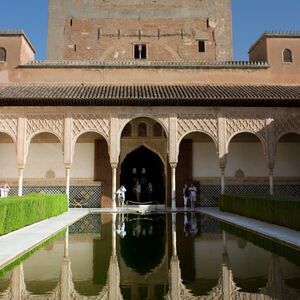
(108, 30)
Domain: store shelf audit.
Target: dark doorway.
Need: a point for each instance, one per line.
(143, 166)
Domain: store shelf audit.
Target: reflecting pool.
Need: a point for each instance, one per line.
(155, 256)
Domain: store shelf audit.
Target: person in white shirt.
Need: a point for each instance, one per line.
(121, 195)
(4, 190)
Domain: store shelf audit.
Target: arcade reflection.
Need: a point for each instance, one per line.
(162, 256)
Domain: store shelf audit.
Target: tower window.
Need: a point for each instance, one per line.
(287, 56)
(140, 51)
(201, 46)
(2, 55)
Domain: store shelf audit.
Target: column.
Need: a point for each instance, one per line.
(20, 182)
(271, 180)
(222, 150)
(68, 171)
(66, 245)
(270, 151)
(18, 287)
(114, 235)
(173, 184)
(68, 151)
(222, 164)
(222, 181)
(224, 241)
(66, 284)
(21, 152)
(114, 167)
(174, 235)
(173, 155)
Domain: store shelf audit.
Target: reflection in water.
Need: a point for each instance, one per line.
(178, 256)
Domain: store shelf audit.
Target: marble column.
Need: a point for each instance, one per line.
(173, 184)
(114, 167)
(271, 181)
(68, 171)
(20, 182)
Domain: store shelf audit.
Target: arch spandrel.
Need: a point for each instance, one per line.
(284, 124)
(207, 124)
(83, 123)
(247, 124)
(8, 125)
(36, 124)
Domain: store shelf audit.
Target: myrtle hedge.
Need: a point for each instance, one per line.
(276, 210)
(17, 212)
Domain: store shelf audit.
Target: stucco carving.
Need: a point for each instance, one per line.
(253, 124)
(90, 122)
(45, 123)
(286, 124)
(8, 124)
(204, 123)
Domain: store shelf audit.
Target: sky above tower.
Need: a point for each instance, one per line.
(250, 20)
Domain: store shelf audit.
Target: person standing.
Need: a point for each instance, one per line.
(121, 195)
(186, 195)
(193, 195)
(4, 190)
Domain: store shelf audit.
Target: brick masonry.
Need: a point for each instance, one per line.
(108, 30)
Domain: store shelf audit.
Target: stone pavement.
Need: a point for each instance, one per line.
(276, 233)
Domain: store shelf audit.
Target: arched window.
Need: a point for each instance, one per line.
(157, 130)
(287, 56)
(127, 131)
(2, 55)
(142, 130)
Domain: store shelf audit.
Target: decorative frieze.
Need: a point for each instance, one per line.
(207, 124)
(8, 124)
(83, 123)
(249, 123)
(45, 123)
(284, 124)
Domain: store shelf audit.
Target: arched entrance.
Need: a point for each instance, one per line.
(145, 167)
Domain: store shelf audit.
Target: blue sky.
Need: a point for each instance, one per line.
(250, 19)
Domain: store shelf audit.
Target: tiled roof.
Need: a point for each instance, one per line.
(151, 95)
(145, 64)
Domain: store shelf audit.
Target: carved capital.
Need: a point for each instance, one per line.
(173, 165)
(223, 162)
(114, 165)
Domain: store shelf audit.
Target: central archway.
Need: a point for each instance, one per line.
(143, 166)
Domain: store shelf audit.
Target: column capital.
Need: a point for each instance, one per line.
(223, 162)
(114, 165)
(68, 165)
(173, 165)
(271, 164)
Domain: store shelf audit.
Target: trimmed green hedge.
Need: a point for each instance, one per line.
(276, 210)
(18, 212)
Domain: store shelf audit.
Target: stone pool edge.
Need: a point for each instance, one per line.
(276, 233)
(14, 245)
